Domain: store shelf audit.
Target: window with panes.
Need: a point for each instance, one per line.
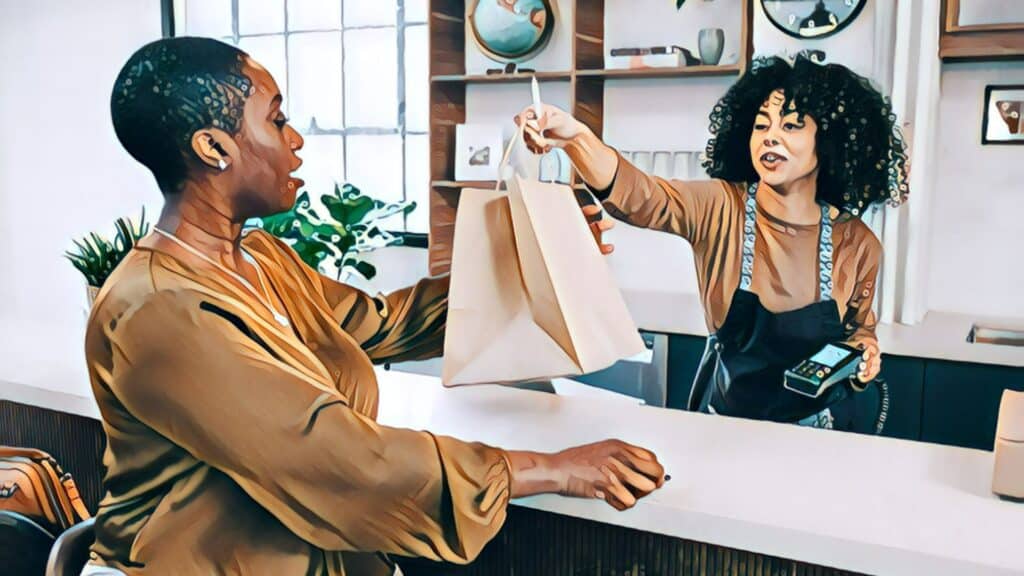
(354, 76)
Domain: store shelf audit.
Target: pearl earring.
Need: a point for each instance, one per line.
(222, 164)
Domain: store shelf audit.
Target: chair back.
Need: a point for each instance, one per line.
(24, 544)
(71, 550)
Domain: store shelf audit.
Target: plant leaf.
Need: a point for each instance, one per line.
(349, 227)
(348, 210)
(311, 252)
(361, 267)
(278, 224)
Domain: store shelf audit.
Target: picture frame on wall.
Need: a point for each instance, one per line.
(1002, 121)
(981, 30)
(478, 150)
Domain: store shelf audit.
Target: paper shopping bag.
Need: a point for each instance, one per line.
(531, 295)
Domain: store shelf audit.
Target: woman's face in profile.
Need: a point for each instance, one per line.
(782, 144)
(267, 146)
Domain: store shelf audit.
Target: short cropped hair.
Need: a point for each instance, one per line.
(167, 91)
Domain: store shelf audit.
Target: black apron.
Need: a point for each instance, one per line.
(741, 373)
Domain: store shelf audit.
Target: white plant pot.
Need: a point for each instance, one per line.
(91, 293)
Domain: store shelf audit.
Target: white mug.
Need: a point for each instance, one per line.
(642, 160)
(662, 164)
(681, 166)
(699, 173)
(551, 166)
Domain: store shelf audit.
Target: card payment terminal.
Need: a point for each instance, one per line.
(831, 365)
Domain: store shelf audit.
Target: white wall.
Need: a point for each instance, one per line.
(853, 47)
(62, 171)
(975, 261)
(639, 23)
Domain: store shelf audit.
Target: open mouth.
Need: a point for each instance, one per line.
(294, 182)
(772, 160)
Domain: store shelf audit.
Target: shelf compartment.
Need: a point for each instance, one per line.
(682, 72)
(459, 184)
(499, 78)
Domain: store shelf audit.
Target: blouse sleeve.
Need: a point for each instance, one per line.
(335, 478)
(407, 324)
(860, 320)
(691, 209)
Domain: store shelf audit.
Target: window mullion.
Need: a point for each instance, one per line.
(400, 33)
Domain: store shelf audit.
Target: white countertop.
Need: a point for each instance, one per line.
(941, 335)
(862, 503)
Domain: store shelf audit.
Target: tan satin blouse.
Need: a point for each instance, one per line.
(239, 446)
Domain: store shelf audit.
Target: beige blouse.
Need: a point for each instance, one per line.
(709, 215)
(238, 446)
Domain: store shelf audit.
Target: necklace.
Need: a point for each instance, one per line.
(264, 299)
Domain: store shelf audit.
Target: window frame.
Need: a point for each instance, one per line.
(412, 239)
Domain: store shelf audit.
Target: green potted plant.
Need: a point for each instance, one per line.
(96, 257)
(334, 239)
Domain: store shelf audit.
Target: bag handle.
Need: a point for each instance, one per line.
(507, 155)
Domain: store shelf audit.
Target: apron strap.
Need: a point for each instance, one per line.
(750, 236)
(825, 255)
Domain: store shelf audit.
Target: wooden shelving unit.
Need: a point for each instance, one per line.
(459, 184)
(448, 81)
(689, 71)
(501, 78)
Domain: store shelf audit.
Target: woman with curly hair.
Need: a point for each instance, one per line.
(784, 263)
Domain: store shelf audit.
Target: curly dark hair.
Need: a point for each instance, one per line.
(861, 154)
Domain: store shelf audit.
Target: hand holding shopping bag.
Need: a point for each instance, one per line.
(531, 296)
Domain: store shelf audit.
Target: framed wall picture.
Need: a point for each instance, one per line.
(977, 30)
(1001, 121)
(478, 149)
(812, 18)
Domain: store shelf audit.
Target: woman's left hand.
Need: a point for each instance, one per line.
(870, 364)
(598, 226)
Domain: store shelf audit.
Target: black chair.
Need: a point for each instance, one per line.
(24, 545)
(71, 550)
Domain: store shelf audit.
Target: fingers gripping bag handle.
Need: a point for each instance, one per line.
(518, 160)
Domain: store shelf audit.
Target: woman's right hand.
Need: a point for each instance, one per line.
(610, 470)
(593, 159)
(556, 128)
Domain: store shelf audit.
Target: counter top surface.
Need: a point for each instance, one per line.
(862, 503)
